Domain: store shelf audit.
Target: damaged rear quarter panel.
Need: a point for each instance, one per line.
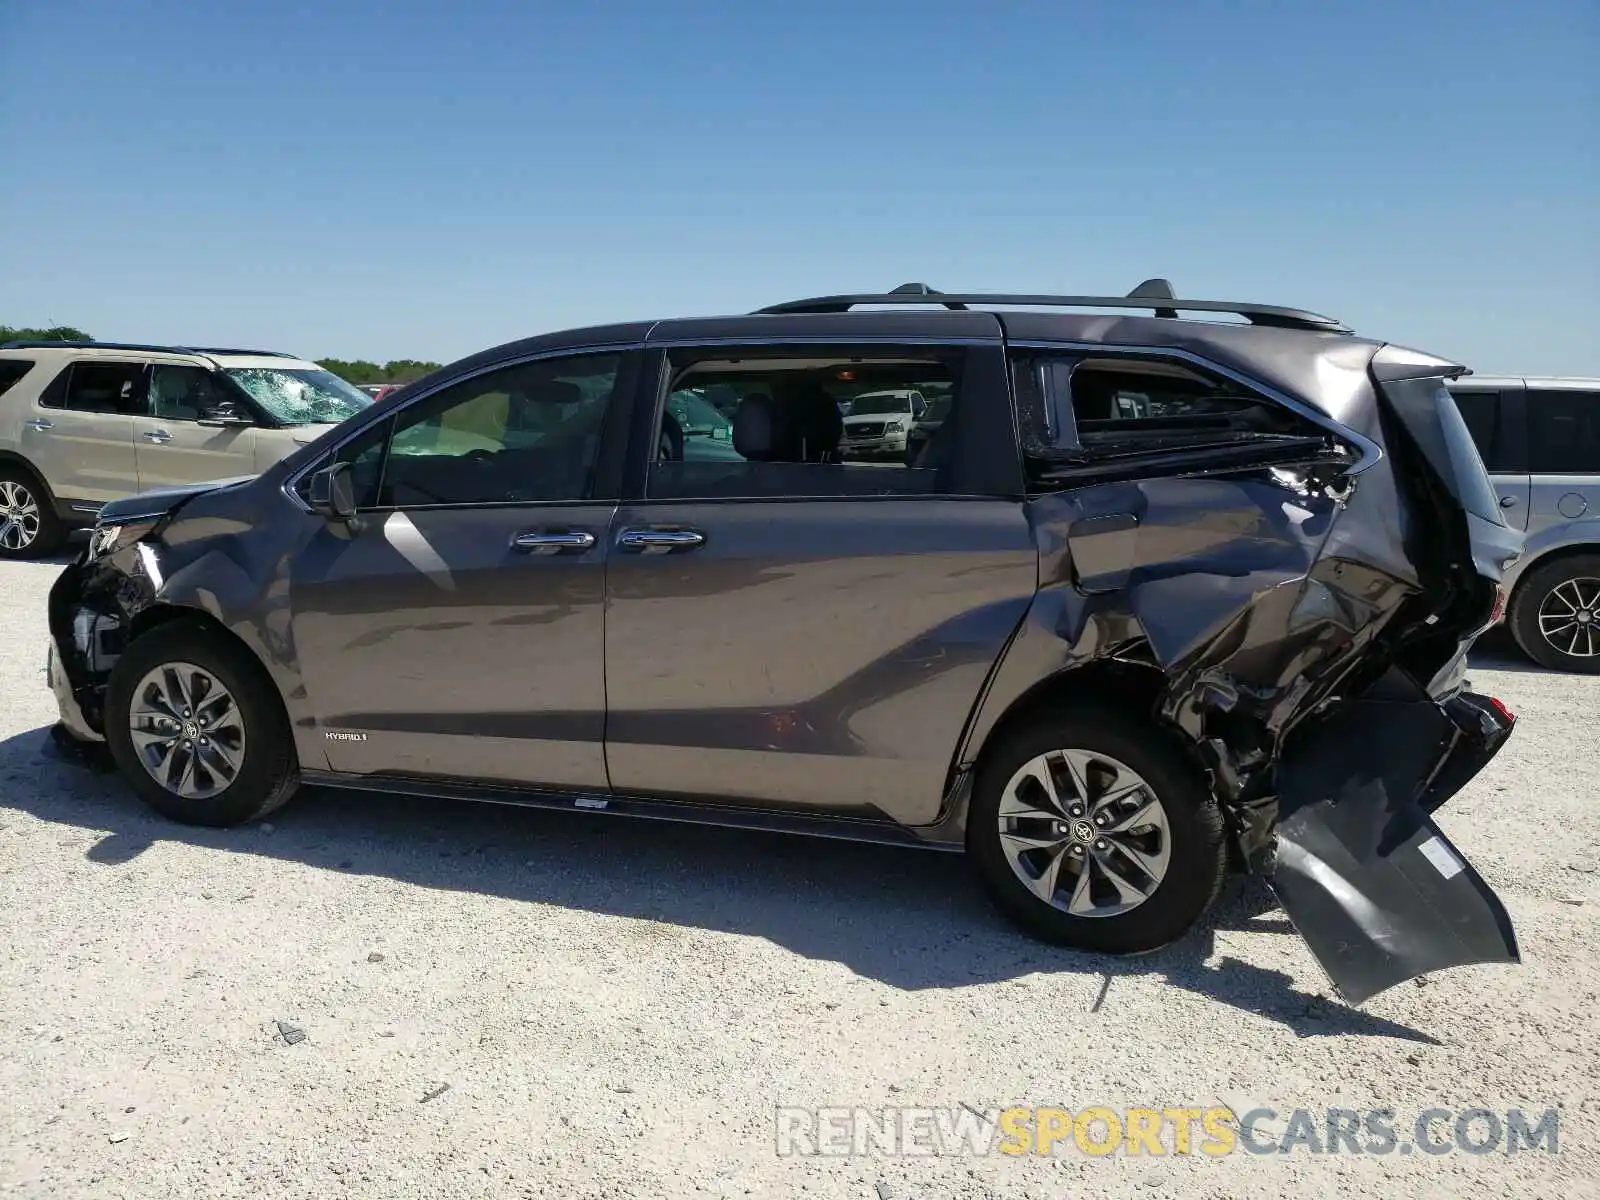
(1254, 595)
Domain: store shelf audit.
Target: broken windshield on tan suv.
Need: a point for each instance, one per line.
(298, 396)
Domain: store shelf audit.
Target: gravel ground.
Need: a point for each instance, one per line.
(616, 1008)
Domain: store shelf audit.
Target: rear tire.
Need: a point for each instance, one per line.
(29, 527)
(1548, 614)
(230, 757)
(1163, 840)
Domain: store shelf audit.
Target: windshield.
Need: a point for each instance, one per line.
(879, 402)
(301, 395)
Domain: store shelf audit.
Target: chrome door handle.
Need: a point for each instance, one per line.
(660, 539)
(1508, 501)
(159, 436)
(40, 424)
(547, 542)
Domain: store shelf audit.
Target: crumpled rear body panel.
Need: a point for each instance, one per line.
(1260, 608)
(1253, 596)
(1374, 886)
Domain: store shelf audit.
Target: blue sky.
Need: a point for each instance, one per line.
(397, 179)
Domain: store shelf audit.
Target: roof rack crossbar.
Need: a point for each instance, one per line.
(1153, 294)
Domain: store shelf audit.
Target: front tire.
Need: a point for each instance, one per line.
(29, 527)
(1555, 616)
(196, 726)
(1095, 832)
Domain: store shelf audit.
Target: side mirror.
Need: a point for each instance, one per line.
(223, 414)
(332, 493)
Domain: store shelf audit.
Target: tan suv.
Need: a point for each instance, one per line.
(82, 423)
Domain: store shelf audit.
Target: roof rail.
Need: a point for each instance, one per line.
(234, 350)
(1154, 294)
(47, 344)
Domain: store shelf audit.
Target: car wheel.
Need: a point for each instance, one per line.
(1096, 833)
(1555, 616)
(197, 727)
(29, 526)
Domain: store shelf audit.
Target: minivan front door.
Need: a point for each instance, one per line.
(455, 632)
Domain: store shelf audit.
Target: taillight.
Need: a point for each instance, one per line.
(1499, 706)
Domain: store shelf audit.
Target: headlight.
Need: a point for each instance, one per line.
(107, 538)
(895, 427)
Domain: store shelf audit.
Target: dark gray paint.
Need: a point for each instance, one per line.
(457, 655)
(816, 655)
(838, 660)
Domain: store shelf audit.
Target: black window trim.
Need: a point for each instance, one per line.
(1370, 452)
(657, 378)
(618, 420)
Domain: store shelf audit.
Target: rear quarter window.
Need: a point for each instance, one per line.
(1480, 409)
(11, 372)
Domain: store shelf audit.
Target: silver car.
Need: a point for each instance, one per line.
(1540, 439)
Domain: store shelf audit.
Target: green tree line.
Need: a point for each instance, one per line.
(357, 371)
(56, 333)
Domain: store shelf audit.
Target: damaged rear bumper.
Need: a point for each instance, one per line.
(1371, 883)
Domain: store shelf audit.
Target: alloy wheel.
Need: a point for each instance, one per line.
(1569, 616)
(187, 730)
(1085, 833)
(19, 516)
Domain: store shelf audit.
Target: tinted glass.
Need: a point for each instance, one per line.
(525, 433)
(11, 370)
(819, 426)
(1431, 417)
(1563, 432)
(1481, 411)
(106, 388)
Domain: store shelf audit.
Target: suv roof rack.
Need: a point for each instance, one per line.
(236, 350)
(1155, 294)
(47, 344)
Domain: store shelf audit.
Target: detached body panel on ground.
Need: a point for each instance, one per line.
(1150, 585)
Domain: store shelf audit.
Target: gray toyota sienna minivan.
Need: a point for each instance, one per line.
(1162, 594)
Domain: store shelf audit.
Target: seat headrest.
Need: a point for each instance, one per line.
(552, 391)
(802, 424)
(757, 429)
